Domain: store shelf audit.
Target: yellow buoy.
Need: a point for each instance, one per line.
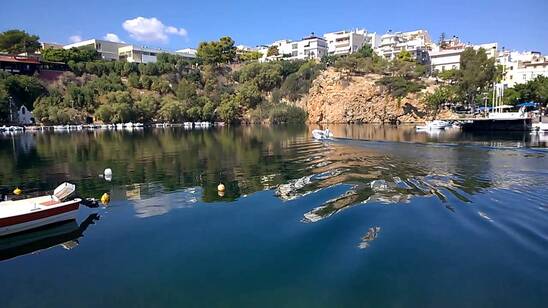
(105, 198)
(17, 191)
(221, 187)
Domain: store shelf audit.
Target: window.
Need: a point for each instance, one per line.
(294, 46)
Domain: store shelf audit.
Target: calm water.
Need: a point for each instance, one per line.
(385, 217)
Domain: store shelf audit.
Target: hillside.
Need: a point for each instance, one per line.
(337, 98)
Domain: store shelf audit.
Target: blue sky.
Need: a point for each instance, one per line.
(517, 25)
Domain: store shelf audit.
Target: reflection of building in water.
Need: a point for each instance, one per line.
(164, 203)
(133, 192)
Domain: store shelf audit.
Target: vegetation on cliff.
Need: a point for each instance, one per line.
(221, 84)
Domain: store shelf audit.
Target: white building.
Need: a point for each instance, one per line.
(311, 47)
(447, 56)
(416, 42)
(522, 67)
(189, 53)
(347, 42)
(107, 49)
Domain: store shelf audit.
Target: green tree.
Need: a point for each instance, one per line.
(217, 52)
(366, 51)
(477, 73)
(272, 51)
(172, 110)
(248, 95)
(4, 104)
(246, 56)
(24, 90)
(442, 95)
(405, 55)
(133, 81)
(146, 108)
(186, 90)
(228, 109)
(76, 55)
(18, 41)
(208, 109)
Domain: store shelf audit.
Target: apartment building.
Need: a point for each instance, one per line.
(522, 67)
(418, 43)
(311, 47)
(107, 49)
(446, 56)
(347, 42)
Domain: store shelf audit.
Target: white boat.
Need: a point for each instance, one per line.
(540, 127)
(436, 124)
(322, 134)
(26, 214)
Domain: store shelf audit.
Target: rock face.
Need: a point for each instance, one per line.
(335, 98)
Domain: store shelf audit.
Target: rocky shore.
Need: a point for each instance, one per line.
(337, 98)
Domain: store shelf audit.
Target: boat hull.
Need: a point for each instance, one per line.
(497, 124)
(32, 220)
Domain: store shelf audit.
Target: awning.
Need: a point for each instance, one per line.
(527, 104)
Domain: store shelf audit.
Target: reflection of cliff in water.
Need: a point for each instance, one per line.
(66, 234)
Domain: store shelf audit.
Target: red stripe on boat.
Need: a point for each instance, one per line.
(15, 220)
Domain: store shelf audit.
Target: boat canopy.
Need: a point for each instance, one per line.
(64, 190)
(527, 104)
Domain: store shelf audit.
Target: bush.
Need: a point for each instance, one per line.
(172, 110)
(399, 86)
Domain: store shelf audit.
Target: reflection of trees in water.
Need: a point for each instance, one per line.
(246, 160)
(175, 158)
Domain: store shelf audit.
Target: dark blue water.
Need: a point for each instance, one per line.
(384, 218)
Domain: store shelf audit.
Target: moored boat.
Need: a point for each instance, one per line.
(322, 134)
(30, 213)
(436, 124)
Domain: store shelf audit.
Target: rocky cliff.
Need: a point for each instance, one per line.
(337, 98)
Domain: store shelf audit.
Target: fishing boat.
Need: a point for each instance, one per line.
(30, 213)
(322, 134)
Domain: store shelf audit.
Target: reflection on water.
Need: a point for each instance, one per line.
(64, 234)
(382, 215)
(149, 165)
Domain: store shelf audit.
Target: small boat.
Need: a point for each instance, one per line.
(30, 213)
(540, 127)
(322, 134)
(436, 124)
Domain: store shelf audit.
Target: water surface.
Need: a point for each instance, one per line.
(383, 216)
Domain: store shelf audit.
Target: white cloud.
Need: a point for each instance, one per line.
(172, 30)
(75, 38)
(113, 38)
(151, 29)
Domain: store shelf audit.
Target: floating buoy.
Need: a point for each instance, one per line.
(221, 187)
(17, 191)
(107, 174)
(105, 198)
(221, 193)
